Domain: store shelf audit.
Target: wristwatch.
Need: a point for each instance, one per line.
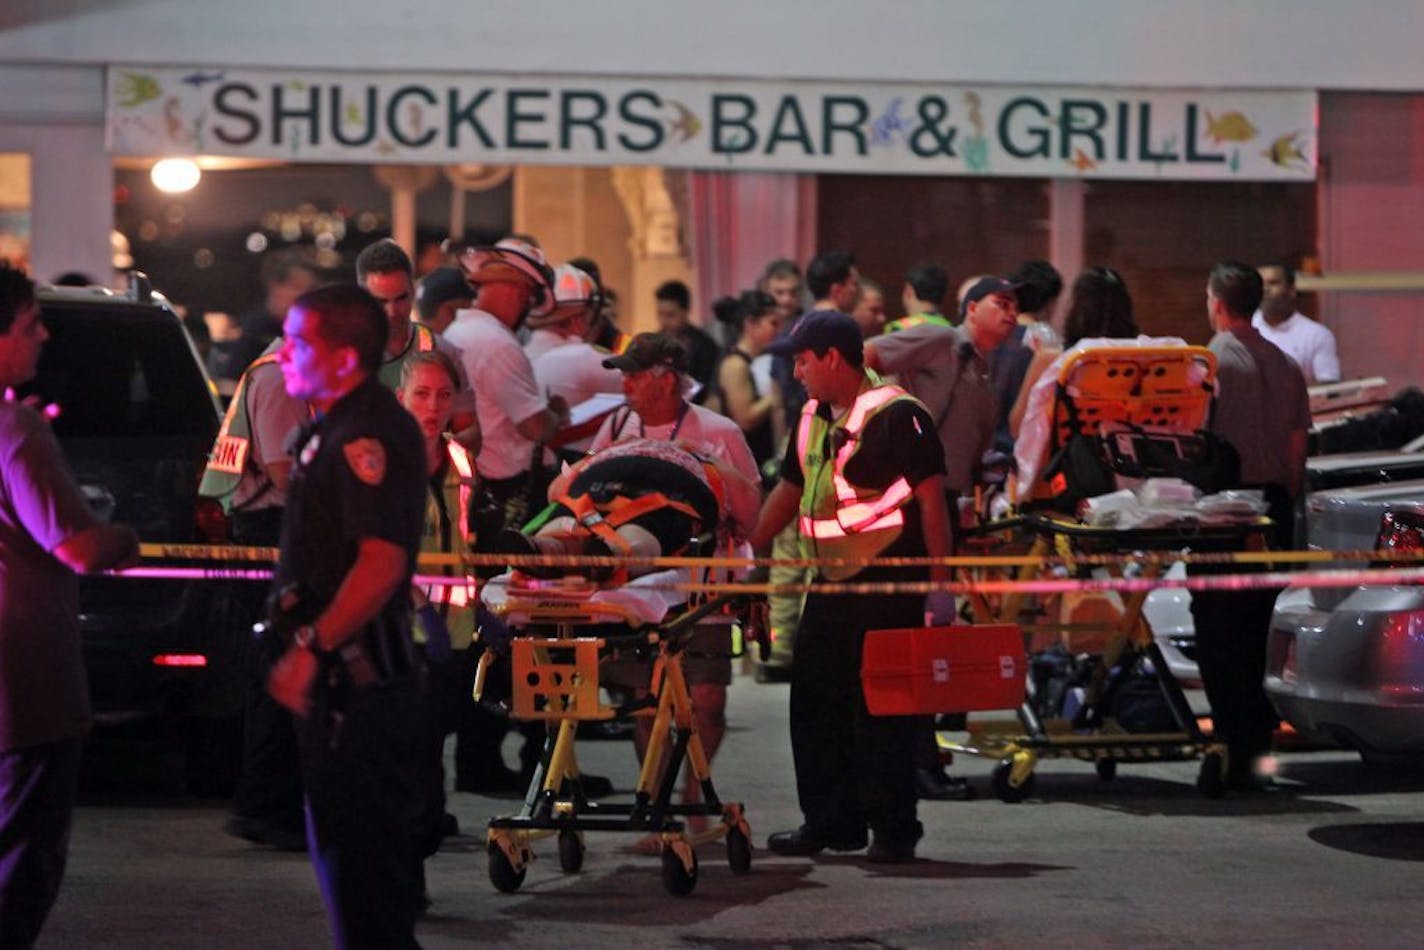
(305, 638)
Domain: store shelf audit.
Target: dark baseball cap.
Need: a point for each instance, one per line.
(439, 286)
(647, 351)
(822, 330)
(987, 287)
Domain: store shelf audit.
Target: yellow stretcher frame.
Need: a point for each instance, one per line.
(1093, 736)
(1161, 387)
(556, 680)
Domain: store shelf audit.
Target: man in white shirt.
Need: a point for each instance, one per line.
(655, 380)
(573, 370)
(513, 282)
(1310, 344)
(654, 369)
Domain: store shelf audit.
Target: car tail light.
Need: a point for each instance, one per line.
(1400, 531)
(211, 521)
(1400, 656)
(180, 659)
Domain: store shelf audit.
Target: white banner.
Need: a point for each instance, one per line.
(801, 126)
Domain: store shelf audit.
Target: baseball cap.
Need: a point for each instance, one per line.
(439, 286)
(822, 330)
(648, 350)
(987, 287)
(514, 259)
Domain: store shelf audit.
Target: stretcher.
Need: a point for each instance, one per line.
(565, 630)
(1092, 733)
(1100, 386)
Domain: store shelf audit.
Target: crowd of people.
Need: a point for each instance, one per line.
(377, 420)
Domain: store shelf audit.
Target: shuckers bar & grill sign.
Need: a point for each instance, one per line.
(793, 125)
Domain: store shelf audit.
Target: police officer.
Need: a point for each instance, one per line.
(350, 537)
(864, 471)
(247, 475)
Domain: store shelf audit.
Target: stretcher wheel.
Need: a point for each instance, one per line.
(676, 879)
(1004, 788)
(502, 873)
(1211, 778)
(739, 852)
(570, 851)
(1106, 769)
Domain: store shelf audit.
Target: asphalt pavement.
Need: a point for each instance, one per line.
(1332, 858)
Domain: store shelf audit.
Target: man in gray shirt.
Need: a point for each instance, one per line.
(947, 369)
(1262, 409)
(47, 535)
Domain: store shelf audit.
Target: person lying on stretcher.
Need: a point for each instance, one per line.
(637, 498)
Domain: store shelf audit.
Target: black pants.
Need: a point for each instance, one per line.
(269, 788)
(852, 769)
(37, 789)
(1232, 628)
(358, 768)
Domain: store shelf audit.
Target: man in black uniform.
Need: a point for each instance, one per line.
(350, 535)
(865, 471)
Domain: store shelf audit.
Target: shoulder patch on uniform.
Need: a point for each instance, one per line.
(367, 458)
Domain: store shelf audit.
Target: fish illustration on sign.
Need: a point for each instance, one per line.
(1232, 127)
(976, 117)
(1082, 161)
(176, 122)
(885, 129)
(687, 124)
(1286, 151)
(134, 89)
(976, 146)
(200, 79)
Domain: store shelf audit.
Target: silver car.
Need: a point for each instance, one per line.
(1169, 609)
(1346, 665)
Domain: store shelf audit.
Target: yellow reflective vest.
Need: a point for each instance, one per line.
(423, 341)
(917, 320)
(837, 518)
(232, 450)
(446, 532)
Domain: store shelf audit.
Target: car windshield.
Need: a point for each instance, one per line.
(121, 375)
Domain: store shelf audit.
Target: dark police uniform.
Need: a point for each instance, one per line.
(854, 769)
(360, 473)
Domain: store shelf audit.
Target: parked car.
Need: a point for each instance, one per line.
(1346, 665)
(1169, 610)
(138, 417)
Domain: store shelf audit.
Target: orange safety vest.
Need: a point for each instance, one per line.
(837, 518)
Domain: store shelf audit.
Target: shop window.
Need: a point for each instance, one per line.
(966, 225)
(1164, 237)
(15, 209)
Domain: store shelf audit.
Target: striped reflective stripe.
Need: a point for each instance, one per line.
(461, 460)
(853, 513)
(453, 594)
(823, 528)
(857, 516)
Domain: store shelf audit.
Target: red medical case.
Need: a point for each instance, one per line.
(923, 670)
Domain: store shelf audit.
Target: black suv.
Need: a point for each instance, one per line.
(138, 417)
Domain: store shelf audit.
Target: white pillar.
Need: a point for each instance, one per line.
(1066, 198)
(71, 199)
